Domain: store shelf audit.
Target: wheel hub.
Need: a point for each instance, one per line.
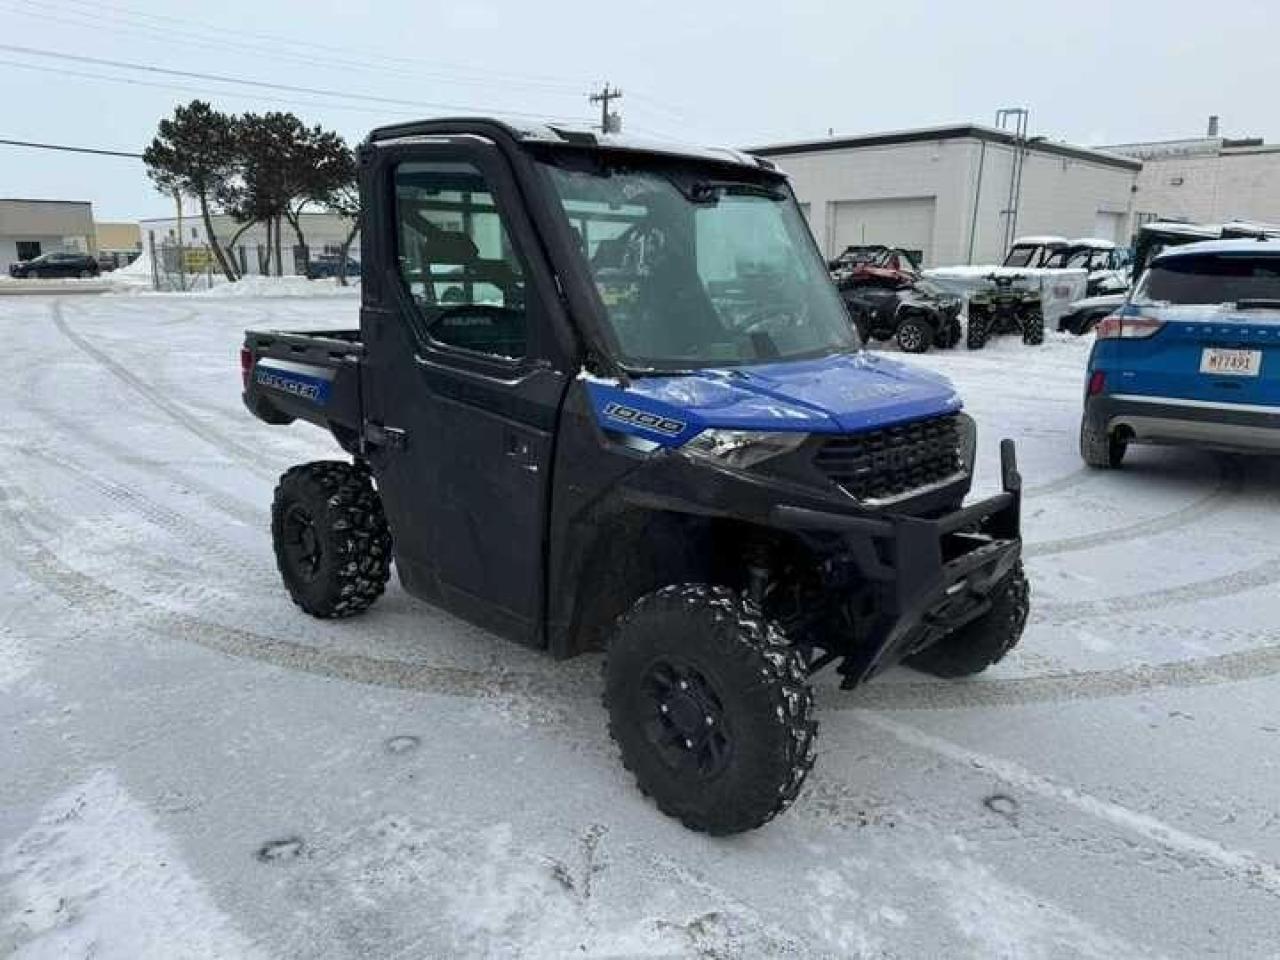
(687, 725)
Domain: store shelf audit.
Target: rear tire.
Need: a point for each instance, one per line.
(914, 335)
(710, 708)
(986, 641)
(1103, 451)
(332, 544)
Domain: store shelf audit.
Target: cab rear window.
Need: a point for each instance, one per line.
(1211, 278)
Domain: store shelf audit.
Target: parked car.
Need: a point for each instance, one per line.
(1083, 315)
(51, 265)
(328, 265)
(1191, 357)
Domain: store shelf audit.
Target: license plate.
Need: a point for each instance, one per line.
(1232, 363)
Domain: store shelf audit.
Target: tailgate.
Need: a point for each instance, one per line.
(1226, 357)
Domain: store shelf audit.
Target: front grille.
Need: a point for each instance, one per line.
(893, 462)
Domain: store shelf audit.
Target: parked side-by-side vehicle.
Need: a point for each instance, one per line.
(604, 395)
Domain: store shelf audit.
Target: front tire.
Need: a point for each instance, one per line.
(710, 708)
(983, 642)
(332, 544)
(1033, 328)
(914, 335)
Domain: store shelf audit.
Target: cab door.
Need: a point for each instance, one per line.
(466, 367)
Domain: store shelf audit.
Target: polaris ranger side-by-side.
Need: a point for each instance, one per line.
(604, 395)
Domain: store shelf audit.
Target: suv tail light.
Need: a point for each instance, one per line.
(1097, 382)
(246, 364)
(1120, 326)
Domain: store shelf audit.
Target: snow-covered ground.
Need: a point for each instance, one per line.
(190, 768)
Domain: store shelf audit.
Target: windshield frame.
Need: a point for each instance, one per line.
(683, 172)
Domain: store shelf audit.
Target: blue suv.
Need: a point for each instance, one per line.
(1193, 356)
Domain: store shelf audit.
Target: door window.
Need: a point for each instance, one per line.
(456, 259)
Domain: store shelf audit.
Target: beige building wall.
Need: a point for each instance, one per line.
(118, 236)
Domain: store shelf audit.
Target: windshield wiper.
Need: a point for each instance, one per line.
(1258, 303)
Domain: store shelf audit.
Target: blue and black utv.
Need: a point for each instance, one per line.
(604, 396)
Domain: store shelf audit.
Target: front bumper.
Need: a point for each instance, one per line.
(934, 575)
(1234, 427)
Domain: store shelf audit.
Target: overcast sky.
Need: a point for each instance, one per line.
(740, 72)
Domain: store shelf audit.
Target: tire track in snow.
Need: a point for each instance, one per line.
(1230, 484)
(1241, 865)
(559, 683)
(251, 458)
(73, 432)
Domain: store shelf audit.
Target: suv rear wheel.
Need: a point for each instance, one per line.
(1103, 450)
(332, 544)
(710, 707)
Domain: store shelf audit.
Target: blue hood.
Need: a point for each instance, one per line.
(844, 393)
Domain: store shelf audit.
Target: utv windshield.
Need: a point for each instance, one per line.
(695, 270)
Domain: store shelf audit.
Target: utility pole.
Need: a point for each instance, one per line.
(609, 122)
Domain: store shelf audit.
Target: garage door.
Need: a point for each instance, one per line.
(1107, 225)
(905, 222)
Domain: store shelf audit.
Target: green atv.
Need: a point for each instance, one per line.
(1003, 308)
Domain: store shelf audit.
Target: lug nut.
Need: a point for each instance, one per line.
(664, 708)
(688, 744)
(710, 722)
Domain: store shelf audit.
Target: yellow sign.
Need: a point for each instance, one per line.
(196, 259)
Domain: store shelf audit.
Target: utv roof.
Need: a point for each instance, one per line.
(566, 135)
(1092, 243)
(1259, 246)
(1212, 231)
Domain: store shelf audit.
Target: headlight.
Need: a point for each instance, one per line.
(742, 448)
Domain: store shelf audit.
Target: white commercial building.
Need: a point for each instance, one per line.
(323, 232)
(1206, 179)
(944, 192)
(29, 228)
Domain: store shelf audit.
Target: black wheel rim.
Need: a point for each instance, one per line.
(685, 721)
(909, 337)
(303, 549)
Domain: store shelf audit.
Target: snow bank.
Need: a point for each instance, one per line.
(280, 287)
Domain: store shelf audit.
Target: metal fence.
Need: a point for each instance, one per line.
(194, 266)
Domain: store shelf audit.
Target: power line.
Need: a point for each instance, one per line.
(67, 149)
(275, 52)
(258, 84)
(276, 40)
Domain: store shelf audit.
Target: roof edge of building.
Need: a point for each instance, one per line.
(951, 132)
